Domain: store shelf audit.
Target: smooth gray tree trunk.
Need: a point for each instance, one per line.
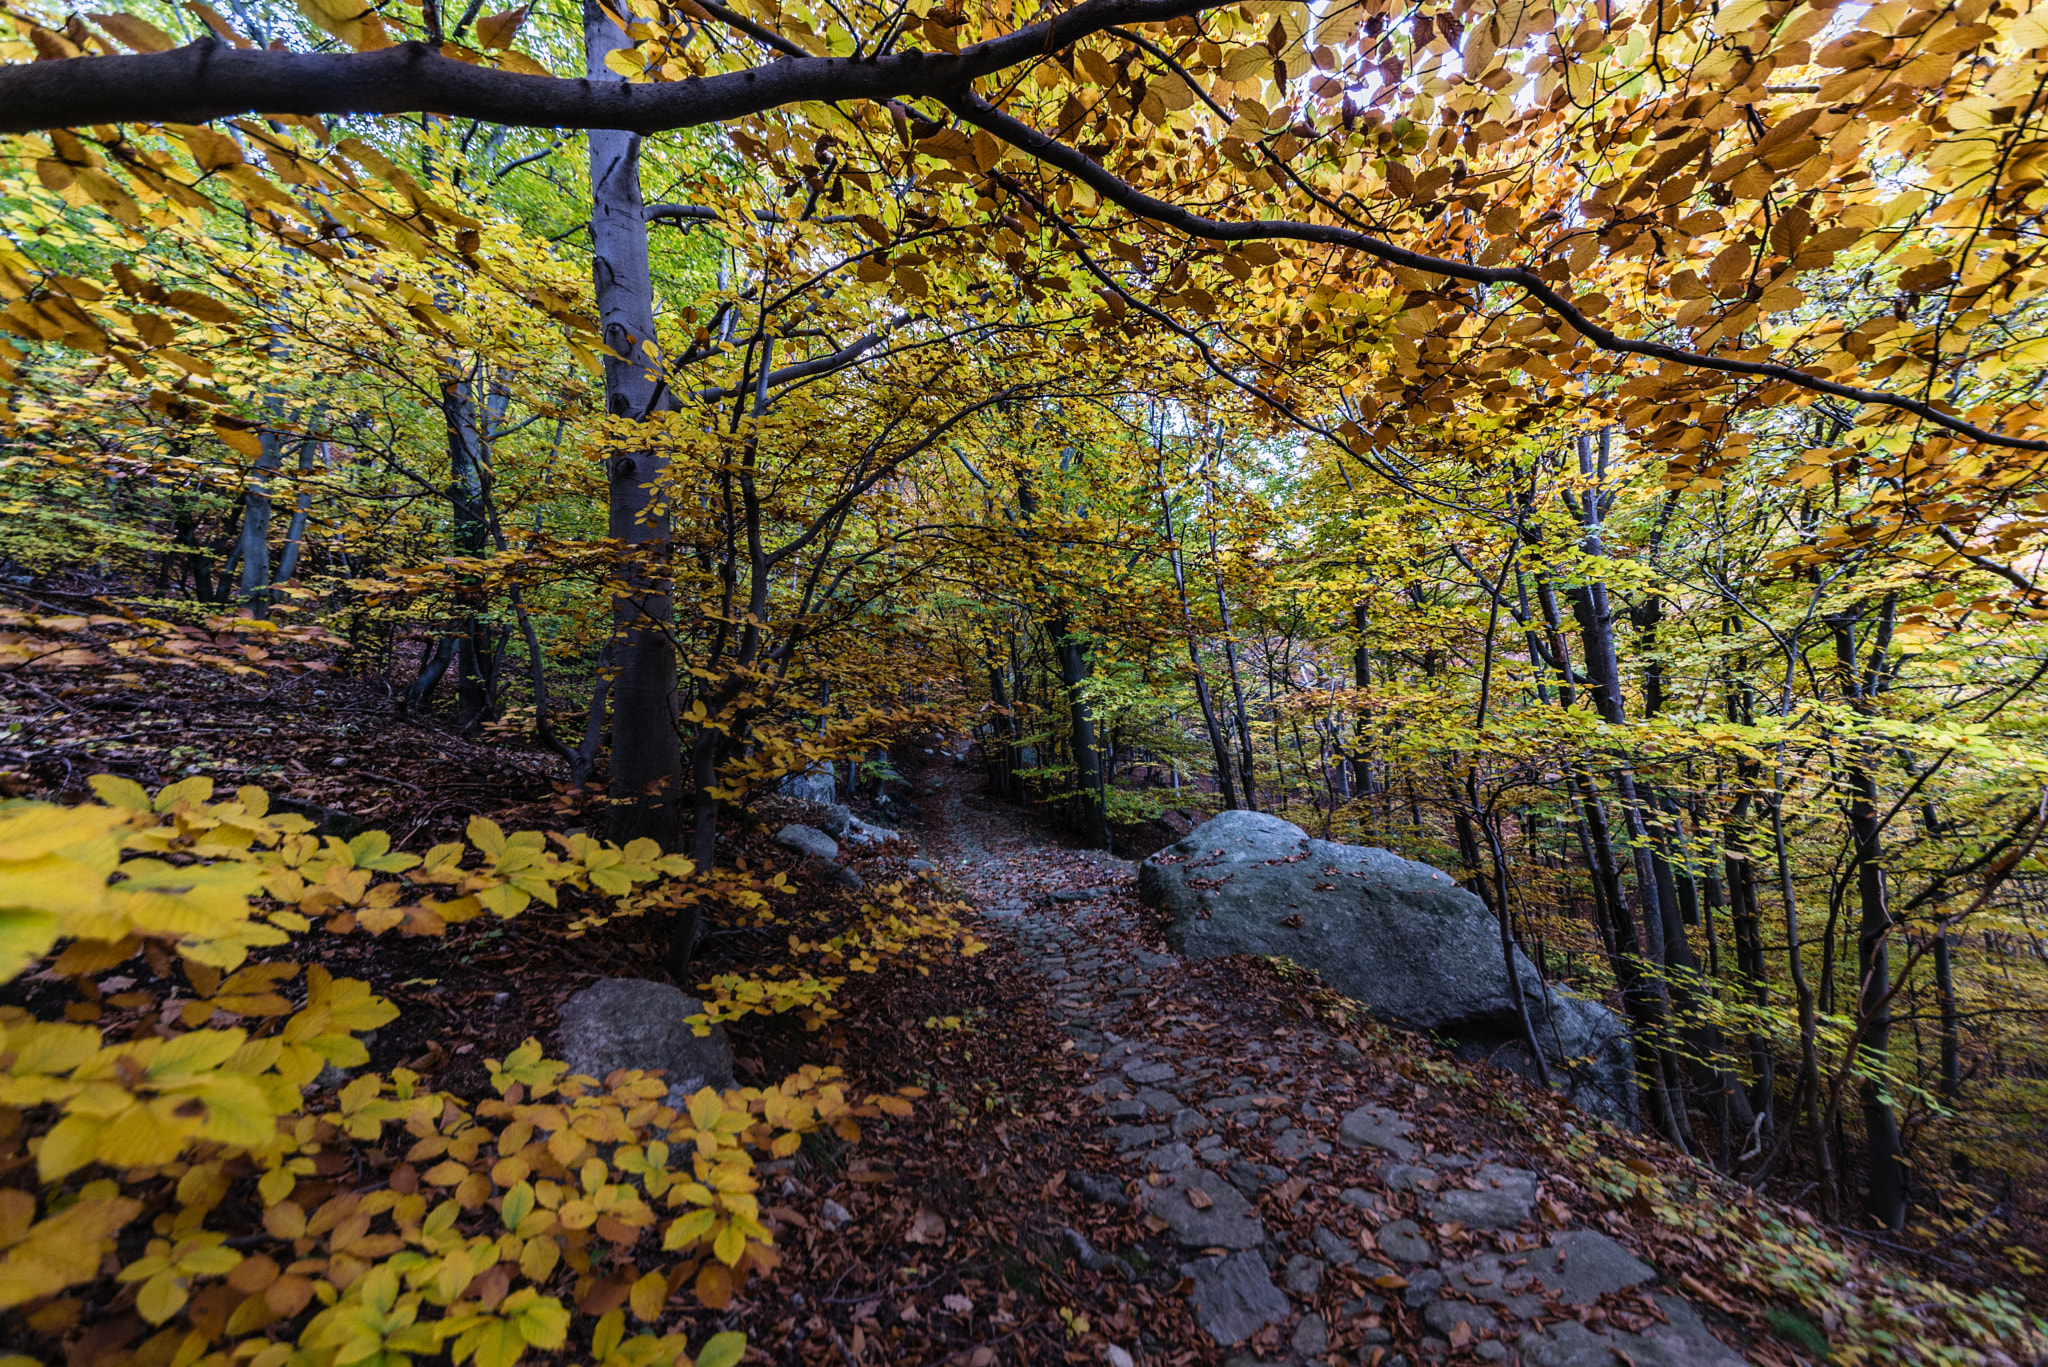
(646, 755)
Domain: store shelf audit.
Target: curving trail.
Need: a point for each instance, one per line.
(1306, 1199)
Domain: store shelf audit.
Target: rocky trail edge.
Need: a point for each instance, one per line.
(1309, 1202)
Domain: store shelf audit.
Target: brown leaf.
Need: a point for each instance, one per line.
(497, 30)
(1199, 1199)
(926, 1227)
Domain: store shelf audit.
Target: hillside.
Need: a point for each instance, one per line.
(1115, 1154)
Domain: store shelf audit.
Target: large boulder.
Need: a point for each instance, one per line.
(1399, 936)
(816, 784)
(633, 1023)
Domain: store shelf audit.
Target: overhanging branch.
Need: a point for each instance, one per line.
(973, 109)
(210, 80)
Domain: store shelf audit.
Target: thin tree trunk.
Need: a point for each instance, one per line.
(295, 533)
(253, 545)
(1217, 743)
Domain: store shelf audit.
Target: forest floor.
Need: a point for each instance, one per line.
(1122, 1157)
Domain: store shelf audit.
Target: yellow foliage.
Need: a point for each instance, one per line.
(460, 1251)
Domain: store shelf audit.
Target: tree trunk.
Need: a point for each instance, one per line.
(295, 534)
(646, 758)
(1073, 660)
(1217, 743)
(253, 546)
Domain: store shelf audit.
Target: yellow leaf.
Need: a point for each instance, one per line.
(25, 936)
(68, 1146)
(161, 1297)
(649, 1294)
(729, 1244)
(241, 439)
(116, 791)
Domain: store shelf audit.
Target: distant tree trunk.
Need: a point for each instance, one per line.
(295, 534)
(1217, 743)
(1361, 670)
(253, 546)
(1072, 654)
(1002, 753)
(466, 494)
(1244, 726)
(1951, 1042)
(646, 758)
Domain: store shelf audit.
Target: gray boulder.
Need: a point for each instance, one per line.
(808, 840)
(850, 829)
(1399, 936)
(815, 785)
(632, 1023)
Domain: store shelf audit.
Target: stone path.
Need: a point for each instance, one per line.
(1310, 1221)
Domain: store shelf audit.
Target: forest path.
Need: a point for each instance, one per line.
(1310, 1202)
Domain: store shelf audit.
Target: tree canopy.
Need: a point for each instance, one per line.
(1597, 448)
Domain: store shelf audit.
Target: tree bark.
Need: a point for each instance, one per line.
(646, 758)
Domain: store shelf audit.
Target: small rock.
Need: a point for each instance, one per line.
(1358, 1198)
(1335, 1247)
(1311, 1338)
(807, 840)
(1682, 1342)
(1507, 1196)
(1444, 1316)
(1423, 1284)
(832, 1215)
(1169, 1158)
(1305, 1274)
(1299, 1144)
(1234, 1296)
(1584, 1266)
(1150, 1072)
(1227, 1220)
(1251, 1178)
(1099, 1187)
(1128, 1137)
(927, 866)
(1164, 1103)
(1403, 1242)
(1411, 1177)
(1117, 1357)
(1375, 1127)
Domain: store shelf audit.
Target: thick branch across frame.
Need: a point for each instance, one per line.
(210, 80)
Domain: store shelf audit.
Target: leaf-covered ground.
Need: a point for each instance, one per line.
(1120, 1155)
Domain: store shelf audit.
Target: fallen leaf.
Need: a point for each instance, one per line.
(1199, 1199)
(958, 1304)
(926, 1227)
(1461, 1334)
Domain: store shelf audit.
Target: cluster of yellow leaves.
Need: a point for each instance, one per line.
(468, 1244)
(729, 996)
(896, 928)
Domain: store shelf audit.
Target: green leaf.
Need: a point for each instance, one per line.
(722, 1350)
